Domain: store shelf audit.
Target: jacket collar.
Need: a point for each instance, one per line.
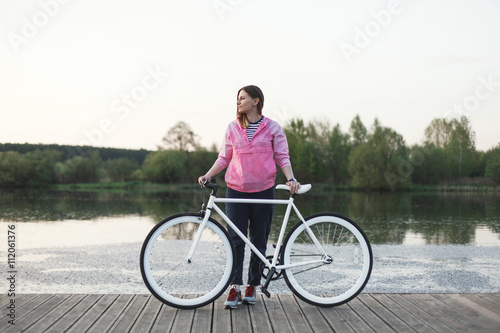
(265, 121)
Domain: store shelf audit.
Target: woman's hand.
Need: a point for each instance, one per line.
(294, 186)
(203, 179)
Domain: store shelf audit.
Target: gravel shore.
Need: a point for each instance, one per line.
(111, 269)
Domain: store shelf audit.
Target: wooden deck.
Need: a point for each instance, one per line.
(280, 313)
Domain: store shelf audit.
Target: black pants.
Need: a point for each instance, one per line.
(256, 219)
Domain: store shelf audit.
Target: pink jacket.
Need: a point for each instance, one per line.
(252, 165)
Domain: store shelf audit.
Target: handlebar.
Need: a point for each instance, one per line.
(211, 184)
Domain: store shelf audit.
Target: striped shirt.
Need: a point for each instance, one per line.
(252, 127)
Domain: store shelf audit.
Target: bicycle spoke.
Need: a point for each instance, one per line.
(347, 264)
(167, 273)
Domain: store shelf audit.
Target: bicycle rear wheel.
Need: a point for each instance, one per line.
(343, 272)
(168, 274)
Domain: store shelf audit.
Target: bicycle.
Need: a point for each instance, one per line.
(187, 259)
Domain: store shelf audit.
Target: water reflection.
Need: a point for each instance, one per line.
(387, 218)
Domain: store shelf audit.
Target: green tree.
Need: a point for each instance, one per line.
(79, 169)
(119, 169)
(431, 164)
(492, 169)
(296, 133)
(358, 131)
(199, 162)
(439, 132)
(166, 166)
(457, 139)
(380, 162)
(12, 169)
(40, 166)
(181, 137)
(338, 148)
(461, 146)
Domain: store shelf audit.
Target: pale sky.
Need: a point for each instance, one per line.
(121, 73)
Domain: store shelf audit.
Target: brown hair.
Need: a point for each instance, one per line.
(254, 92)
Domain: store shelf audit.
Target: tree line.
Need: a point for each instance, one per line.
(375, 158)
(379, 158)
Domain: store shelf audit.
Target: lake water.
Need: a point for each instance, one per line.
(58, 218)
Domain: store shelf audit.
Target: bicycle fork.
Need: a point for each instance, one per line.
(202, 226)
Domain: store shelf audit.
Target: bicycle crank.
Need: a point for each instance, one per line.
(264, 270)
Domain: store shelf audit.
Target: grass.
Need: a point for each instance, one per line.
(134, 186)
(138, 186)
(330, 187)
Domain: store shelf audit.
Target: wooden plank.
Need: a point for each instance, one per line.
(5, 300)
(203, 319)
(240, 319)
(475, 304)
(184, 319)
(129, 316)
(484, 302)
(19, 302)
(75, 313)
(335, 320)
(400, 312)
(353, 319)
(25, 306)
(441, 310)
(108, 318)
(453, 313)
(221, 317)
(427, 318)
(375, 303)
(280, 313)
(369, 315)
(259, 316)
(93, 314)
(314, 317)
(471, 314)
(294, 314)
(165, 319)
(407, 315)
(23, 299)
(56, 314)
(148, 316)
(30, 318)
(494, 298)
(277, 315)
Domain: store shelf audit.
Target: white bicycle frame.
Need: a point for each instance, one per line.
(290, 204)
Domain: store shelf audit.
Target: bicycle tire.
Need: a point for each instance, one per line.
(334, 283)
(168, 274)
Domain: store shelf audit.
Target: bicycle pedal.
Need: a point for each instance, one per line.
(265, 292)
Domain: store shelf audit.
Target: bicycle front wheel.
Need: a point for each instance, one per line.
(180, 282)
(333, 260)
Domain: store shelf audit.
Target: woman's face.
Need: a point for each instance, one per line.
(245, 102)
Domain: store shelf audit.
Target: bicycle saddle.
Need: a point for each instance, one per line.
(303, 188)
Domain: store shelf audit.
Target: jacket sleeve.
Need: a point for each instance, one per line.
(226, 150)
(280, 146)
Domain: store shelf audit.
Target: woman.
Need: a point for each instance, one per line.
(252, 146)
